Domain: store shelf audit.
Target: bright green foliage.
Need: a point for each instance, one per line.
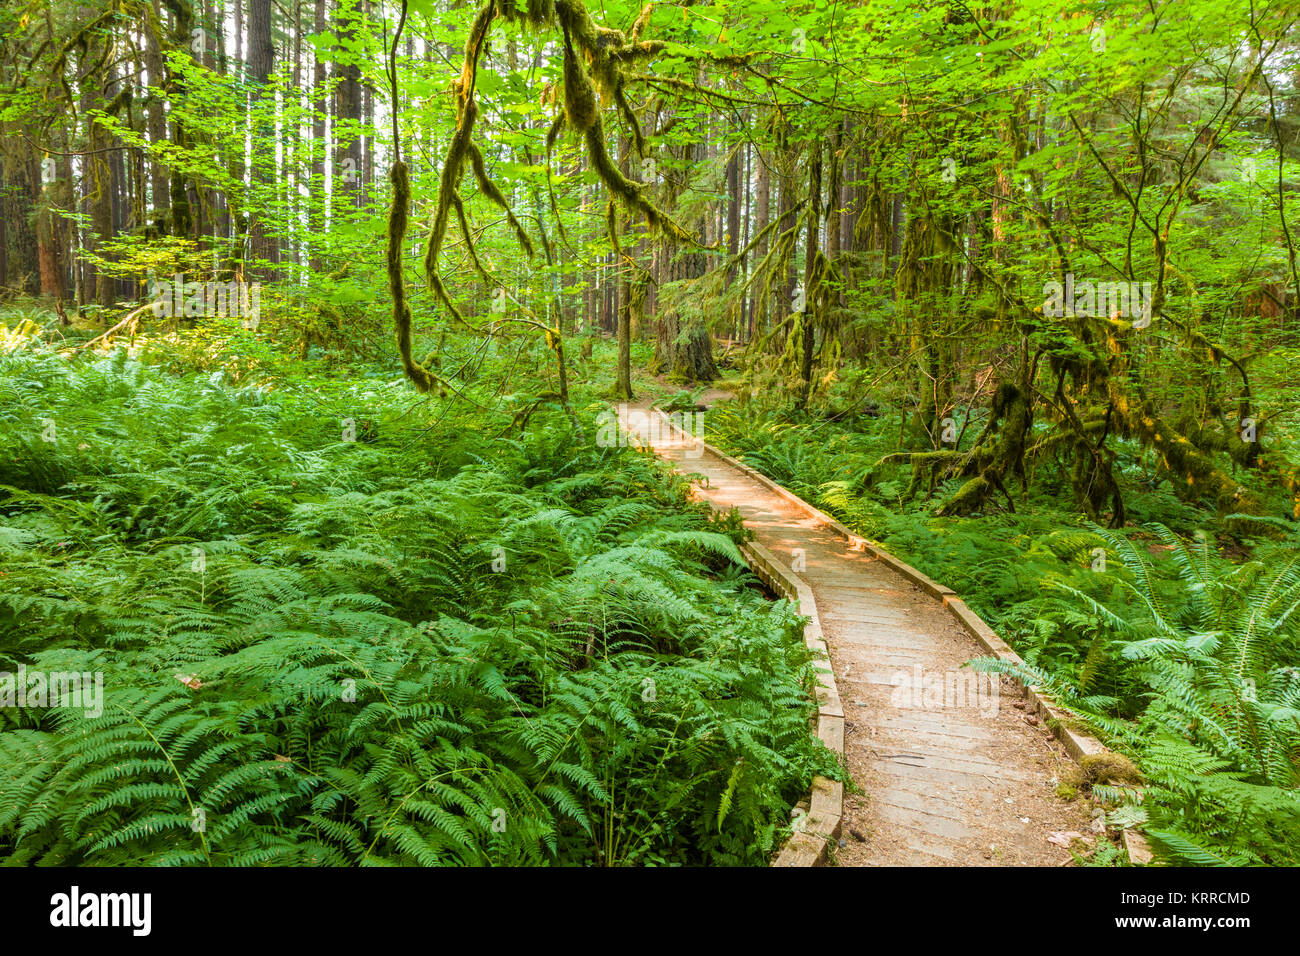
(916, 177)
(1172, 653)
(1205, 648)
(423, 646)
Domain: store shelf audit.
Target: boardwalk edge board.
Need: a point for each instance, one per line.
(809, 846)
(820, 825)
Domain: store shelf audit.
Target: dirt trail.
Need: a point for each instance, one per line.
(952, 771)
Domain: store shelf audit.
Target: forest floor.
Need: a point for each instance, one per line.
(945, 778)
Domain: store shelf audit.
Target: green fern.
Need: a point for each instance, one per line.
(1219, 735)
(442, 651)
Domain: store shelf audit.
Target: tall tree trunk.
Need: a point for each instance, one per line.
(63, 194)
(833, 210)
(735, 200)
(786, 217)
(746, 317)
(156, 119)
(20, 266)
(810, 280)
(296, 161)
(347, 111)
(181, 212)
(367, 118)
(320, 146)
(97, 176)
(631, 287)
(762, 213)
(261, 62)
(684, 350)
(48, 232)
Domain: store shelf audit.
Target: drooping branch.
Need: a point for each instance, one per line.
(423, 379)
(595, 62)
(454, 165)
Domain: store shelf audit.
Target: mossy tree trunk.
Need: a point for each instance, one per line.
(261, 62)
(810, 280)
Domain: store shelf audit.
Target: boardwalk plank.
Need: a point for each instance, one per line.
(936, 780)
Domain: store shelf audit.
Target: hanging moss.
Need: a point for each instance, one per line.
(541, 12)
(462, 148)
(999, 451)
(579, 94)
(1183, 459)
(489, 189)
(629, 117)
(596, 61)
(552, 135)
(606, 52)
(627, 191)
(447, 196)
(611, 227)
(469, 240)
(418, 374)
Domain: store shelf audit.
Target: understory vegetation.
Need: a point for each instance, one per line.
(1176, 642)
(310, 313)
(427, 642)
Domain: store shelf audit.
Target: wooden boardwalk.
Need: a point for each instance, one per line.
(952, 769)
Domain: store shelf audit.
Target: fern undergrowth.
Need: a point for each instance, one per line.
(347, 626)
(1174, 654)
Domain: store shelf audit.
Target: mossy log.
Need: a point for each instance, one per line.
(998, 452)
(1183, 459)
